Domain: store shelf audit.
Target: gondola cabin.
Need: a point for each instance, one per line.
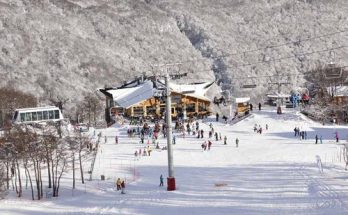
(37, 115)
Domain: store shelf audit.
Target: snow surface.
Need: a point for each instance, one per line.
(269, 173)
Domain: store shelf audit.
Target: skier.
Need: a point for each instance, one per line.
(116, 139)
(321, 139)
(217, 117)
(266, 127)
(237, 141)
(209, 144)
(123, 187)
(210, 134)
(118, 184)
(316, 139)
(336, 136)
(259, 106)
(174, 139)
(202, 132)
(161, 181)
(216, 136)
(225, 140)
(204, 146)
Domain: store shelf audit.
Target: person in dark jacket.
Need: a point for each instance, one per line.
(161, 181)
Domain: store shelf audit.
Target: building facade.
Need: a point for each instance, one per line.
(145, 98)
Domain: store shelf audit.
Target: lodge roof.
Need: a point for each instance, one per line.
(242, 100)
(133, 92)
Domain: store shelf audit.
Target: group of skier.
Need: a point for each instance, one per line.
(258, 129)
(121, 185)
(302, 134)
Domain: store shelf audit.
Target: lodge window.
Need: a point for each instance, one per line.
(45, 115)
(56, 114)
(39, 115)
(138, 110)
(51, 114)
(27, 116)
(191, 107)
(151, 110)
(22, 117)
(202, 107)
(34, 116)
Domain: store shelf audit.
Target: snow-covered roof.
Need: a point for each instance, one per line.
(242, 100)
(278, 95)
(193, 90)
(127, 97)
(339, 90)
(37, 108)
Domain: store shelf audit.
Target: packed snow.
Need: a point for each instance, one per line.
(269, 173)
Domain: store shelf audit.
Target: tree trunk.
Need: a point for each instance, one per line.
(81, 170)
(73, 166)
(31, 183)
(40, 178)
(95, 115)
(26, 178)
(8, 175)
(48, 171)
(37, 180)
(53, 179)
(60, 176)
(20, 191)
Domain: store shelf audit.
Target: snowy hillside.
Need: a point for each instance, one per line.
(269, 173)
(68, 47)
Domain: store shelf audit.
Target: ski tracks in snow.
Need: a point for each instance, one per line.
(323, 197)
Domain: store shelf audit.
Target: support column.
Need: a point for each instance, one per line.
(170, 180)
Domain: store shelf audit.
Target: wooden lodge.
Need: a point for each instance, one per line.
(242, 106)
(144, 98)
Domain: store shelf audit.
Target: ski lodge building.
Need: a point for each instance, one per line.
(339, 94)
(145, 97)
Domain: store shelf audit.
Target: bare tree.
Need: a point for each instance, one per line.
(59, 164)
(92, 103)
(12, 99)
(83, 143)
(2, 179)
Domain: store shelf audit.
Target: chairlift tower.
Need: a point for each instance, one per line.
(170, 178)
(279, 85)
